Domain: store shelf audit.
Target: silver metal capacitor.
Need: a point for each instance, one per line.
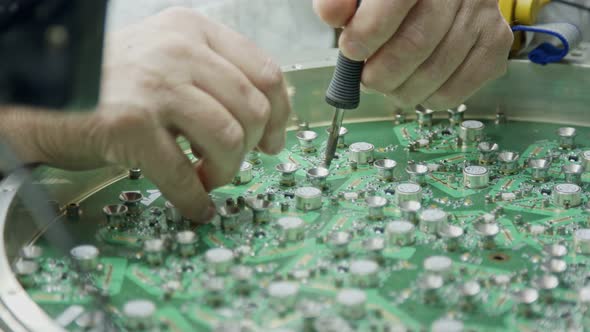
(471, 132)
(585, 159)
(244, 174)
(283, 295)
(567, 195)
(139, 314)
(242, 276)
(318, 176)
(287, 171)
(352, 303)
(308, 198)
(31, 252)
(409, 211)
(172, 213)
(539, 169)
(260, 208)
(25, 271)
(582, 241)
(292, 229)
(451, 235)
(487, 152)
(131, 199)
(341, 136)
(525, 300)
(361, 153)
(573, 173)
(186, 242)
(417, 173)
(385, 168)
(508, 162)
(376, 206)
(364, 273)
(447, 325)
(545, 286)
(219, 260)
(470, 292)
(476, 177)
(153, 251)
(85, 257)
(116, 214)
(457, 116)
(433, 220)
(424, 117)
(438, 265)
(487, 231)
(567, 137)
(555, 250)
(307, 140)
(229, 213)
(338, 242)
(405, 192)
(431, 284)
(400, 233)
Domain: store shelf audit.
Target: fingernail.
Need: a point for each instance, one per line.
(357, 50)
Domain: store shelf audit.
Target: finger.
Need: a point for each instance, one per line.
(215, 135)
(336, 13)
(487, 61)
(171, 171)
(414, 42)
(373, 24)
(230, 86)
(263, 73)
(439, 67)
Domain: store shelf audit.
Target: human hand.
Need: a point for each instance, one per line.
(175, 74)
(430, 52)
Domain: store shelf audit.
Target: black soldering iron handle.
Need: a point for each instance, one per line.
(344, 91)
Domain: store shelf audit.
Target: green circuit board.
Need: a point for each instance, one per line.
(501, 251)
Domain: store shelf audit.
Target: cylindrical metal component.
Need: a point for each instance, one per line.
(573, 173)
(153, 250)
(433, 220)
(545, 285)
(242, 276)
(385, 168)
(260, 208)
(219, 260)
(487, 152)
(417, 173)
(134, 173)
(508, 161)
(567, 195)
(73, 211)
(457, 116)
(25, 271)
(409, 211)
(229, 214)
(283, 295)
(439, 265)
(186, 242)
(451, 234)
(214, 291)
(470, 292)
(431, 285)
(555, 250)
(376, 205)
(338, 242)
(471, 132)
(539, 169)
(487, 233)
(307, 140)
(567, 137)
(361, 153)
(374, 248)
(287, 171)
(447, 325)
(85, 257)
(318, 176)
(557, 267)
(253, 157)
(405, 192)
(139, 314)
(400, 233)
(116, 215)
(308, 198)
(31, 252)
(343, 132)
(132, 199)
(525, 300)
(582, 241)
(293, 229)
(172, 213)
(476, 177)
(364, 273)
(244, 174)
(585, 159)
(424, 117)
(352, 303)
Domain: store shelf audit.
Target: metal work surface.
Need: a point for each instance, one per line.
(424, 221)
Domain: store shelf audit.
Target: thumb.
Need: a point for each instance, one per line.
(336, 13)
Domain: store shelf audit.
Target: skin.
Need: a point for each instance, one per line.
(431, 52)
(173, 74)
